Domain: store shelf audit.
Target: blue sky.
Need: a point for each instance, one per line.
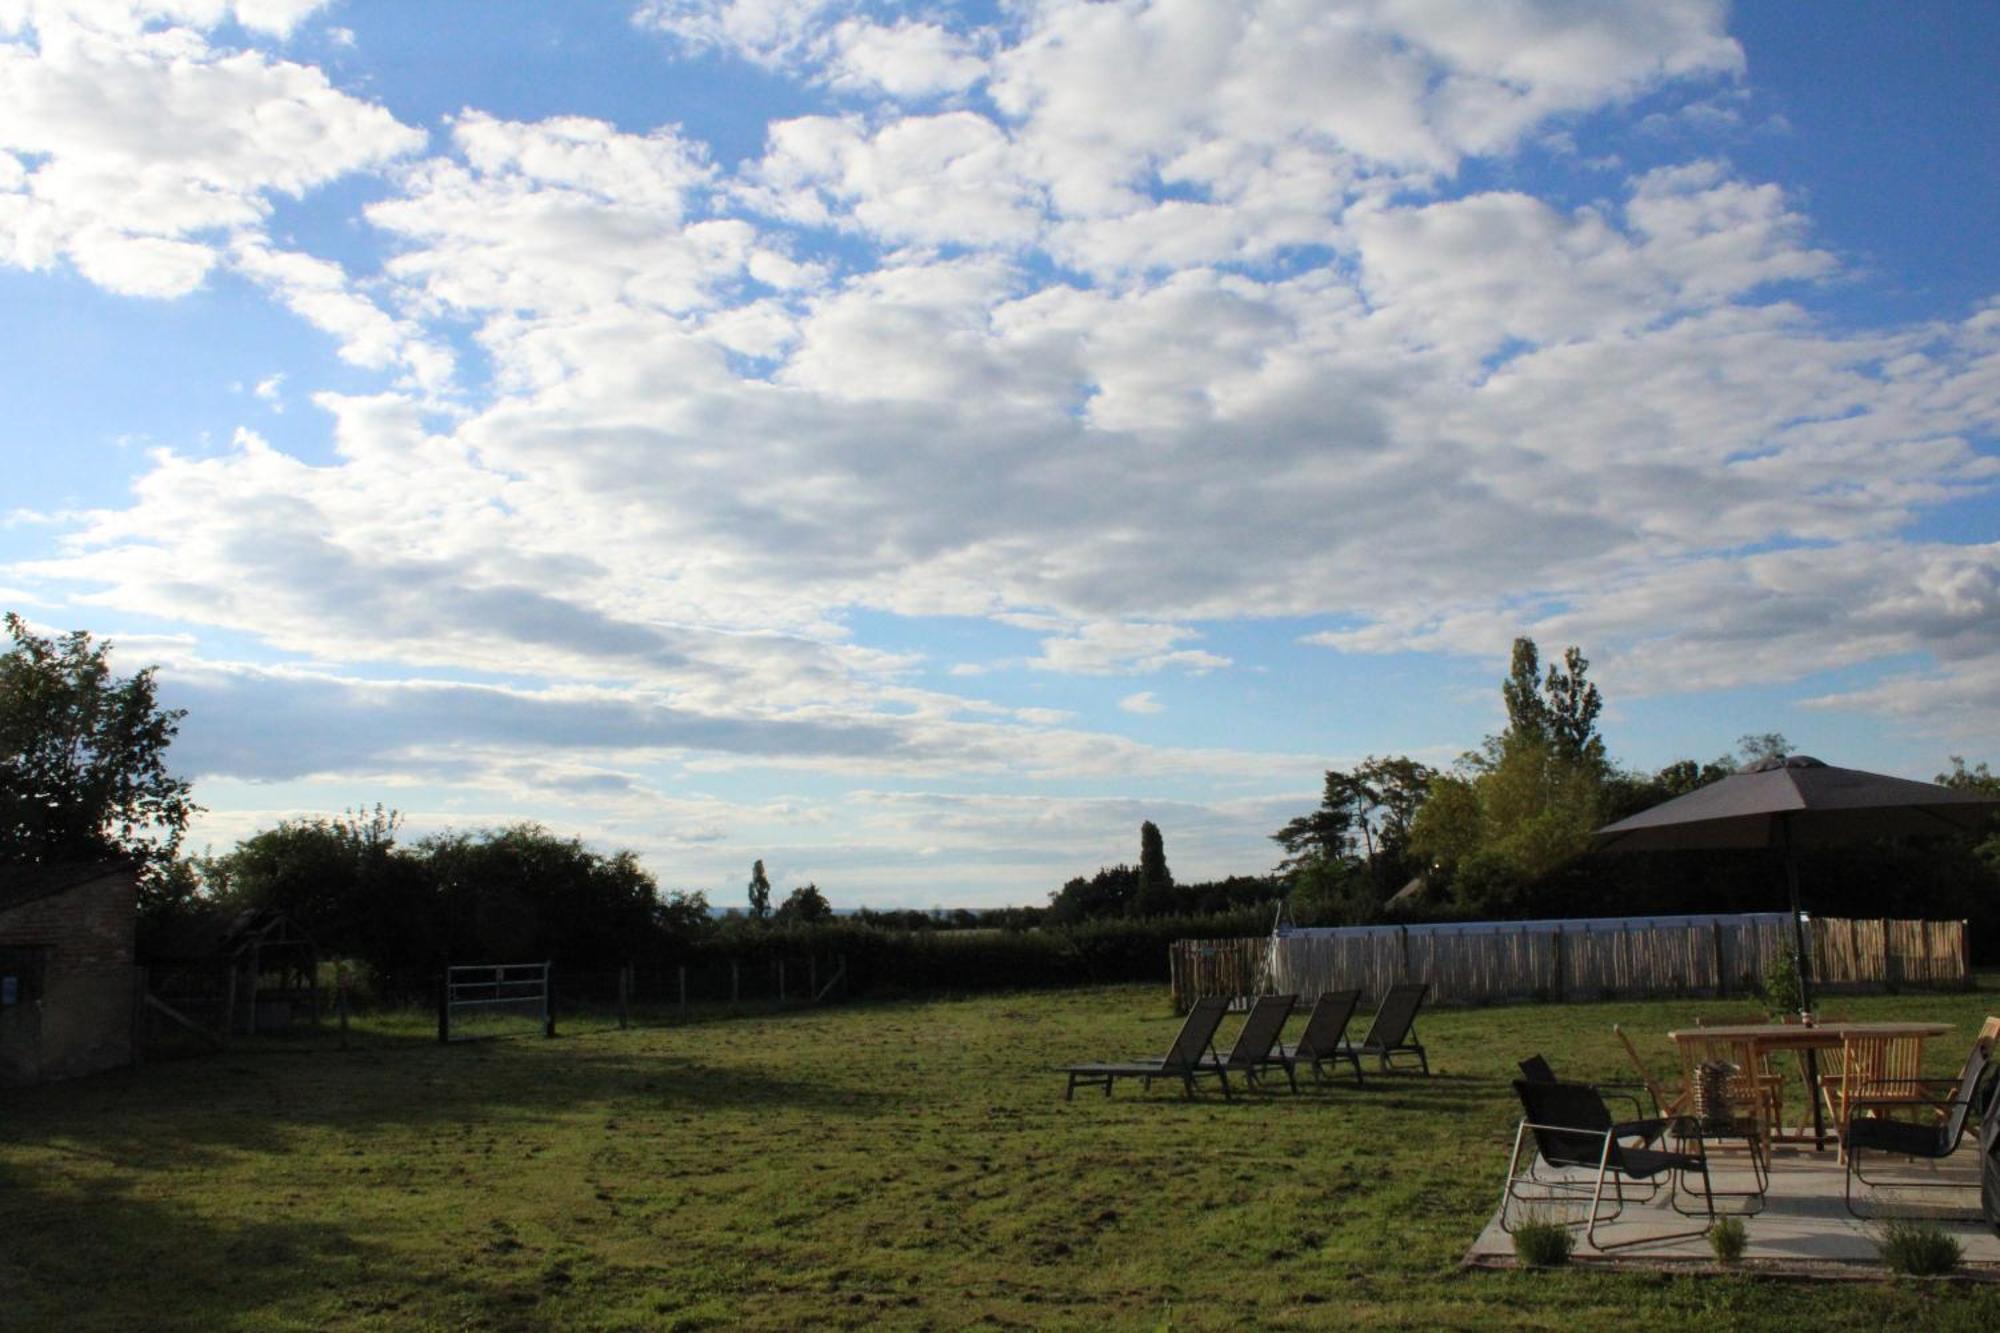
(912, 446)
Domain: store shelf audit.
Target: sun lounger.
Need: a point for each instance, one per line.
(1394, 1031)
(1324, 1040)
(1192, 1056)
(1256, 1047)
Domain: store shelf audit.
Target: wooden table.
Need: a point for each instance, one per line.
(1766, 1038)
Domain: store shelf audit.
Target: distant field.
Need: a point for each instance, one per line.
(912, 1165)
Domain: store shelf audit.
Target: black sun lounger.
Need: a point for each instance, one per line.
(1191, 1056)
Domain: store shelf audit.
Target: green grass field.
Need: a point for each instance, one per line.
(909, 1165)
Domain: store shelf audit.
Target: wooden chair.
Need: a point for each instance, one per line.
(1667, 1100)
(1880, 1071)
(1755, 1090)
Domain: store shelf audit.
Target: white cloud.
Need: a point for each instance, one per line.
(131, 149)
(1145, 701)
(1194, 321)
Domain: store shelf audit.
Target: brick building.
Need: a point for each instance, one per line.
(66, 969)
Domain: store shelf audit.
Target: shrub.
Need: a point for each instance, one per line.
(1728, 1238)
(1780, 989)
(1919, 1249)
(1541, 1242)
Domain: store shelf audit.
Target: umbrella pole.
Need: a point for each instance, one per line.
(1801, 956)
(1802, 965)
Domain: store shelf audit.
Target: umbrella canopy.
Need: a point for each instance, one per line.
(1798, 801)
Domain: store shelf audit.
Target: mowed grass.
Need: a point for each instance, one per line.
(878, 1164)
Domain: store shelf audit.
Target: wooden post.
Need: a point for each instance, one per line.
(812, 976)
(735, 983)
(682, 969)
(1721, 963)
(444, 1005)
(340, 999)
(140, 984)
(256, 976)
(228, 1022)
(781, 981)
(548, 1000)
(1561, 992)
(1404, 932)
(624, 995)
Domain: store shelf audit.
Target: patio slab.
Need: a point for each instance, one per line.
(1804, 1227)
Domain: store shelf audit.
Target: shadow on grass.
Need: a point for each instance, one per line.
(174, 1114)
(65, 1235)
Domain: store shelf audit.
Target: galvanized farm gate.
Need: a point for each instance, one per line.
(527, 989)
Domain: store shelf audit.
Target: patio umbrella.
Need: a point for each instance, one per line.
(1792, 801)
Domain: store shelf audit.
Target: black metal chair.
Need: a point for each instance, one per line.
(1647, 1129)
(1394, 1031)
(1901, 1138)
(1572, 1134)
(1324, 1040)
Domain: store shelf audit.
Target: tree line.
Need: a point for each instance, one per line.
(1504, 832)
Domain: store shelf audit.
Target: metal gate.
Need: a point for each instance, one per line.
(477, 988)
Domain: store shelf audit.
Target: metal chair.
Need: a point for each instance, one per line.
(1871, 1126)
(1572, 1134)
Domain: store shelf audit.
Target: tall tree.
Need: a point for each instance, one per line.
(1156, 883)
(1329, 833)
(1521, 691)
(1571, 709)
(760, 893)
(83, 769)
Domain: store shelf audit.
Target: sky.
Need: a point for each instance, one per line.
(912, 445)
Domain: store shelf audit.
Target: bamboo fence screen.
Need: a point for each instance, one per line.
(1573, 961)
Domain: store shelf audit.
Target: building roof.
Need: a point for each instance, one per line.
(30, 881)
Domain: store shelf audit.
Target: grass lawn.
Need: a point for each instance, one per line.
(911, 1165)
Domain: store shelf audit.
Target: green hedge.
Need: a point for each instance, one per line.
(952, 961)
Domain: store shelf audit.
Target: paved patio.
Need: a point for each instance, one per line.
(1804, 1227)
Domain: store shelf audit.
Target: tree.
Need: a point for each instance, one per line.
(1570, 713)
(1107, 893)
(1527, 715)
(522, 892)
(805, 906)
(1155, 896)
(83, 756)
(760, 893)
(1763, 745)
(1328, 833)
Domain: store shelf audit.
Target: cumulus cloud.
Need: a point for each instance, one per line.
(131, 149)
(1105, 322)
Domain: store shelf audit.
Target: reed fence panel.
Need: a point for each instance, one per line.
(1581, 960)
(1233, 968)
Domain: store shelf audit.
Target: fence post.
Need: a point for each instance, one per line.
(444, 1005)
(1404, 932)
(682, 969)
(1561, 988)
(781, 981)
(1965, 954)
(812, 976)
(624, 995)
(548, 999)
(735, 982)
(340, 985)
